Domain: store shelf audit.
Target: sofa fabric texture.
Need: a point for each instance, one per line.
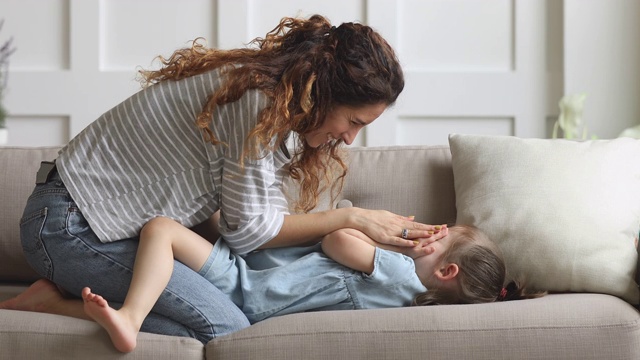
(409, 180)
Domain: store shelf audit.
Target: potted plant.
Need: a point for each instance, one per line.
(570, 119)
(5, 51)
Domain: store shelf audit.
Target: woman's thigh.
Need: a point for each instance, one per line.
(60, 246)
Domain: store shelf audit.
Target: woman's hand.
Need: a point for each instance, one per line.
(388, 228)
(382, 226)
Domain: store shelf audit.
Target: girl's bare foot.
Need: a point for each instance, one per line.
(41, 296)
(122, 332)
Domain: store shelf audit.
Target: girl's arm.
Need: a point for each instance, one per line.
(350, 248)
(356, 250)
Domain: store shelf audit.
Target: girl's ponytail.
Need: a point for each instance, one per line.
(515, 290)
(481, 276)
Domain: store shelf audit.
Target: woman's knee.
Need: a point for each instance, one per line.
(203, 308)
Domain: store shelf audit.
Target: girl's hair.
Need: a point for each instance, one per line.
(305, 67)
(481, 275)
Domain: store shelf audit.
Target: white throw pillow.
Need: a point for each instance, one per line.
(565, 213)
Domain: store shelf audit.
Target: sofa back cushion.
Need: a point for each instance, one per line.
(17, 180)
(406, 180)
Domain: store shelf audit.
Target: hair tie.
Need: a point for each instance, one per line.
(503, 294)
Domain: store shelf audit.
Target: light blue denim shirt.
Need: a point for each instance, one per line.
(282, 281)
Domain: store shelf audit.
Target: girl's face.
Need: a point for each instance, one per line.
(344, 122)
(430, 265)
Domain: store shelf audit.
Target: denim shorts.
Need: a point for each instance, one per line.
(59, 244)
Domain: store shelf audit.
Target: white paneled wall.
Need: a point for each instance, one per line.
(605, 64)
(131, 33)
(472, 66)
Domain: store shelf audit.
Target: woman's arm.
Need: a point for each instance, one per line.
(382, 226)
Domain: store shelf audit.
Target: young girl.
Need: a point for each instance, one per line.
(345, 271)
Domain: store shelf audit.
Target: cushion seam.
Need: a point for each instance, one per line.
(630, 325)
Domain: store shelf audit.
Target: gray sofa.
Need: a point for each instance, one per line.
(557, 326)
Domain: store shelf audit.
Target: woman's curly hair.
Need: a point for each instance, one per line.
(305, 67)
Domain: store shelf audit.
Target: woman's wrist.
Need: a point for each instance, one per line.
(353, 218)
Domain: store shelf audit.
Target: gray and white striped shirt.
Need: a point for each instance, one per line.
(146, 158)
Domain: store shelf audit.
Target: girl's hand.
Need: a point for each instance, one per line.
(388, 228)
(423, 247)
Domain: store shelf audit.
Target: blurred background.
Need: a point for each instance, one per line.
(495, 67)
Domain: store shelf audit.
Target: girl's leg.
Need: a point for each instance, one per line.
(45, 297)
(59, 244)
(161, 240)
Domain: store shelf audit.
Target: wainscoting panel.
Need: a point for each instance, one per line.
(464, 60)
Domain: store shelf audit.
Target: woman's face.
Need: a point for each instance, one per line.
(344, 122)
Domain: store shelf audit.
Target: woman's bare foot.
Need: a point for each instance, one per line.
(41, 296)
(122, 332)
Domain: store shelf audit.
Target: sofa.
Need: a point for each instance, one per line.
(409, 180)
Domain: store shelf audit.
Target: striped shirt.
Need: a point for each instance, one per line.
(146, 158)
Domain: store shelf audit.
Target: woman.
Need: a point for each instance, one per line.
(208, 133)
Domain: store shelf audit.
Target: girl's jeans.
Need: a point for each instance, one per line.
(60, 246)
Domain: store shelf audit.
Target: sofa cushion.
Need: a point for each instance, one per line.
(563, 326)
(31, 335)
(17, 184)
(566, 214)
(406, 180)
